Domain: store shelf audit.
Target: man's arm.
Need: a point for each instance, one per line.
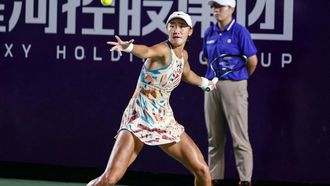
(252, 64)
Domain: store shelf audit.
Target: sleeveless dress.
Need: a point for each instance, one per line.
(149, 115)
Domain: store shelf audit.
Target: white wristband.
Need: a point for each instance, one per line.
(205, 83)
(129, 48)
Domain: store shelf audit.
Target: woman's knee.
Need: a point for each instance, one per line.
(202, 171)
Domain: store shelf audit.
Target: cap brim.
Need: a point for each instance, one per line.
(178, 17)
(211, 3)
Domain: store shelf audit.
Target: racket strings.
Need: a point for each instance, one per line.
(227, 63)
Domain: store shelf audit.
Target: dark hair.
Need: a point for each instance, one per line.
(187, 43)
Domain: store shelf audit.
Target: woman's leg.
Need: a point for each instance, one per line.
(124, 152)
(187, 152)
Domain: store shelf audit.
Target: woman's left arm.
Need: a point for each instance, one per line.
(191, 77)
(188, 75)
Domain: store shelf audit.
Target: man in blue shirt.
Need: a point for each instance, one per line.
(227, 106)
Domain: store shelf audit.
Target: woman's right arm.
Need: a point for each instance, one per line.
(141, 51)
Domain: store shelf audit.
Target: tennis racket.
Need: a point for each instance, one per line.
(227, 63)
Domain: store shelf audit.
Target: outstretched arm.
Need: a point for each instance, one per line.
(140, 51)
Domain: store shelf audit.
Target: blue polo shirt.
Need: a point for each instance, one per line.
(234, 39)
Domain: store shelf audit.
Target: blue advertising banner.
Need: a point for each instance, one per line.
(62, 92)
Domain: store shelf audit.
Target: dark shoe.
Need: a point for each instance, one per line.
(244, 183)
(216, 182)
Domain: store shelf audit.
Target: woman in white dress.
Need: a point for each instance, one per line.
(148, 118)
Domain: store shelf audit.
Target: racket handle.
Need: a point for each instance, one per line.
(215, 80)
(209, 88)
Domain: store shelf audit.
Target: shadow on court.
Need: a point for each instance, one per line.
(22, 174)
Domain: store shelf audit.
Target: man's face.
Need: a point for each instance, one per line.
(221, 13)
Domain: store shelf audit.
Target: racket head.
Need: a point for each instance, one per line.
(227, 63)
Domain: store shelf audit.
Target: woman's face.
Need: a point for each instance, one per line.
(178, 32)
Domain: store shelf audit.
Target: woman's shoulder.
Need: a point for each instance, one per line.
(162, 46)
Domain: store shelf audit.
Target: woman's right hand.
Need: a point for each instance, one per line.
(120, 45)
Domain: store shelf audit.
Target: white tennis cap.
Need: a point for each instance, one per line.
(231, 3)
(180, 15)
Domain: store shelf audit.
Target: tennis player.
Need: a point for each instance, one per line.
(148, 118)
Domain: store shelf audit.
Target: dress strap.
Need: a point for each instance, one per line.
(171, 50)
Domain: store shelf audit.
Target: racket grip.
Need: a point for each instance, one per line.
(209, 88)
(215, 80)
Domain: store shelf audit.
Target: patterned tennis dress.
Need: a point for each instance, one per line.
(149, 115)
